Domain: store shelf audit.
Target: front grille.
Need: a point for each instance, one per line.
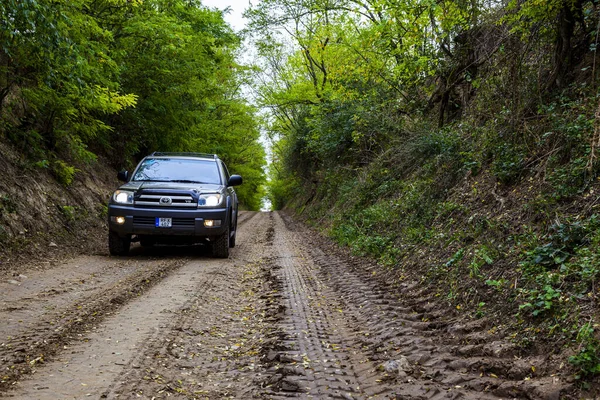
(151, 221)
(184, 222)
(144, 221)
(166, 200)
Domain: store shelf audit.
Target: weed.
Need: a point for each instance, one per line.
(455, 258)
(103, 212)
(540, 300)
(497, 284)
(547, 255)
(43, 164)
(480, 313)
(69, 212)
(567, 167)
(562, 243)
(481, 256)
(63, 172)
(509, 163)
(587, 358)
(443, 144)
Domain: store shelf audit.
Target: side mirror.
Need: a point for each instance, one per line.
(123, 176)
(234, 180)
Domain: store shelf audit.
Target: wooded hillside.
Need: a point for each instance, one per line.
(454, 141)
(123, 78)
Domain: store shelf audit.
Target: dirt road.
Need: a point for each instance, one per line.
(287, 315)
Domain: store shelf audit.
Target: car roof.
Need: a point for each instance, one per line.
(160, 154)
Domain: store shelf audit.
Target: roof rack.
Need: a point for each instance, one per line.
(183, 154)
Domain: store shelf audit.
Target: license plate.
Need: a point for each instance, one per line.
(164, 222)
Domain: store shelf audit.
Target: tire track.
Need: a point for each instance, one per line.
(286, 316)
(40, 342)
(320, 355)
(214, 346)
(446, 357)
(107, 345)
(245, 216)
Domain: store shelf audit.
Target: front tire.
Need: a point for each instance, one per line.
(117, 245)
(220, 246)
(232, 238)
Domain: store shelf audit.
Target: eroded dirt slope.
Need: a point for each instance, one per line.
(43, 221)
(287, 315)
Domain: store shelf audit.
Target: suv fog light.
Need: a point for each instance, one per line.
(118, 220)
(212, 223)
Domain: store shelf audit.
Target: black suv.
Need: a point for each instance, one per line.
(175, 198)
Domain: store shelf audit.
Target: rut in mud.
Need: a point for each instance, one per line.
(287, 315)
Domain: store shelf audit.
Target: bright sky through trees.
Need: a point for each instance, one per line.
(234, 17)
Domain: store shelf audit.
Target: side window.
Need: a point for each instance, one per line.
(225, 171)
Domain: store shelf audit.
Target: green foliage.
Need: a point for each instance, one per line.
(587, 359)
(498, 284)
(542, 300)
(103, 211)
(63, 172)
(443, 138)
(481, 256)
(124, 78)
(509, 163)
(358, 231)
(61, 81)
(566, 263)
(455, 258)
(443, 144)
(563, 240)
(69, 213)
(44, 164)
(569, 118)
(281, 191)
(480, 310)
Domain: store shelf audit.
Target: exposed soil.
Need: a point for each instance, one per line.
(43, 222)
(287, 315)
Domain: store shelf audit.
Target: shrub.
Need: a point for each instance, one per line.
(63, 172)
(587, 358)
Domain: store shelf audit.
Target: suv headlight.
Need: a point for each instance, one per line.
(123, 197)
(209, 199)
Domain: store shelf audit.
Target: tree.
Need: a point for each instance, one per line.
(124, 78)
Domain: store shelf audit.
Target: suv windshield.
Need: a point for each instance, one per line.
(185, 170)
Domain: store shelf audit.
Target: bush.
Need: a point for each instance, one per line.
(63, 172)
(509, 163)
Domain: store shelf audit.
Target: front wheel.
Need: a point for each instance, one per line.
(232, 238)
(117, 245)
(220, 245)
(232, 241)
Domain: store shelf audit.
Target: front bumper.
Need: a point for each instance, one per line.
(141, 221)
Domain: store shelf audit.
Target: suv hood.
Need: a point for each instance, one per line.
(199, 187)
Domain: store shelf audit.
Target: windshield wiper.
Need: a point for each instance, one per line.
(185, 181)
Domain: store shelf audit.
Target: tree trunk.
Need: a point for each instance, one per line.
(563, 51)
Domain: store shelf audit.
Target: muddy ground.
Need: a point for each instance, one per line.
(287, 315)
